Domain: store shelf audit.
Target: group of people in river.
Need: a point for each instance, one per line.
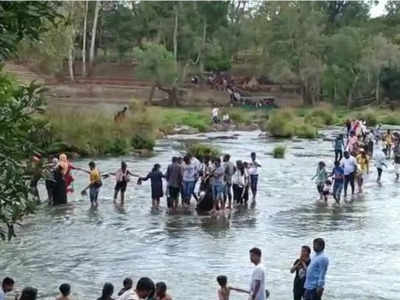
(354, 152)
(215, 183)
(309, 281)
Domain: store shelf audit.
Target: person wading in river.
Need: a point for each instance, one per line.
(363, 163)
(253, 173)
(122, 178)
(229, 171)
(379, 158)
(155, 177)
(349, 165)
(94, 185)
(316, 272)
(174, 179)
(338, 147)
(300, 267)
(320, 178)
(338, 177)
(257, 283)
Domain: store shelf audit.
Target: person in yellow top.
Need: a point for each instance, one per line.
(363, 163)
(388, 139)
(94, 185)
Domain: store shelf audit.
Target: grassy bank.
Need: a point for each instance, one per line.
(305, 122)
(91, 134)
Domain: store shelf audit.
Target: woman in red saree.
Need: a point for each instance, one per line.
(67, 167)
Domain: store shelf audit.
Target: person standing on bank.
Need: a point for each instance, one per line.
(300, 267)
(253, 173)
(316, 272)
(257, 284)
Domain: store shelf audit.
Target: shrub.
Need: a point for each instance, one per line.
(119, 146)
(197, 121)
(391, 119)
(281, 124)
(201, 150)
(320, 117)
(369, 116)
(306, 131)
(279, 151)
(141, 141)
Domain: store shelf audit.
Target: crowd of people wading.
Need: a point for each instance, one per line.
(217, 185)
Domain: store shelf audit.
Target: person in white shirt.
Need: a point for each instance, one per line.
(379, 158)
(253, 173)
(349, 165)
(6, 287)
(257, 283)
(215, 113)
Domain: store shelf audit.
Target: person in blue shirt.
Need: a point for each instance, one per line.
(338, 177)
(316, 271)
(338, 147)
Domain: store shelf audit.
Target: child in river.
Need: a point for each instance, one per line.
(224, 291)
(321, 176)
(94, 185)
(155, 177)
(327, 189)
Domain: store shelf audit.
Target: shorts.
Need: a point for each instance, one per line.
(93, 193)
(173, 192)
(121, 186)
(218, 191)
(253, 183)
(325, 193)
(320, 188)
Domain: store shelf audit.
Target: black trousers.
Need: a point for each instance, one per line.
(338, 155)
(349, 179)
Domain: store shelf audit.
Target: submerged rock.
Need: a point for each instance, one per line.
(185, 130)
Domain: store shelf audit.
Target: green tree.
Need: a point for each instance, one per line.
(157, 64)
(18, 104)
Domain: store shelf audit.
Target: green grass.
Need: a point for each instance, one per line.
(279, 151)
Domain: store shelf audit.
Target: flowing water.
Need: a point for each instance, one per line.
(89, 247)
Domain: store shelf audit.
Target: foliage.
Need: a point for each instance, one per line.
(202, 150)
(140, 142)
(368, 116)
(306, 131)
(281, 124)
(157, 64)
(17, 129)
(279, 151)
(320, 117)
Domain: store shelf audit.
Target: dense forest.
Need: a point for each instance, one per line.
(332, 50)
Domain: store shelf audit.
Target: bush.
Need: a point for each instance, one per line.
(202, 150)
(320, 117)
(279, 151)
(391, 119)
(141, 141)
(281, 124)
(119, 146)
(369, 116)
(198, 121)
(306, 131)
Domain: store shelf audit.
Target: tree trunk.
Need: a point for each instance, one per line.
(350, 96)
(176, 35)
(150, 99)
(71, 60)
(307, 95)
(203, 46)
(377, 89)
(94, 30)
(172, 94)
(84, 40)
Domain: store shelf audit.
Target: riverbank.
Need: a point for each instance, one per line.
(94, 133)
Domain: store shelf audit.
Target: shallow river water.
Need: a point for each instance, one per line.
(87, 248)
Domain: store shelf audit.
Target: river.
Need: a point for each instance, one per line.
(87, 247)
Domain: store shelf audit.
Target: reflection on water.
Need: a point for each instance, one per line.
(88, 247)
